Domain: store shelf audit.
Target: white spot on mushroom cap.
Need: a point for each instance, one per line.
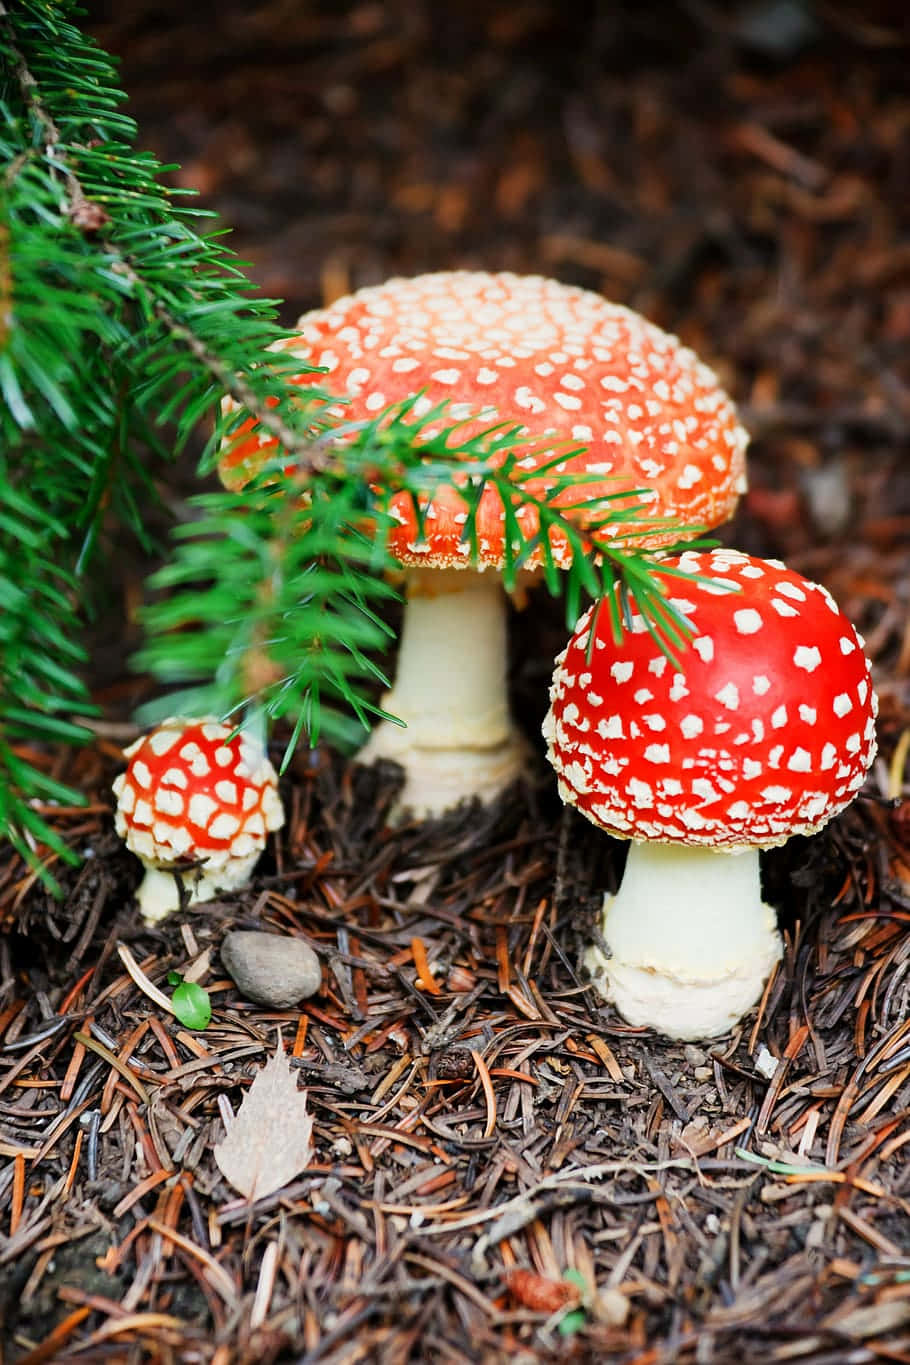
(657, 753)
(141, 773)
(747, 620)
(678, 688)
(739, 810)
(611, 728)
(728, 696)
(162, 739)
(808, 657)
(140, 842)
(168, 801)
(201, 809)
(224, 826)
(272, 809)
(689, 477)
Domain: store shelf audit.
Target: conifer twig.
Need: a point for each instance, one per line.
(122, 327)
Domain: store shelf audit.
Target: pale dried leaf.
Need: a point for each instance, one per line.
(269, 1142)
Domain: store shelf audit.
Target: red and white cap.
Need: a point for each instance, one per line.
(194, 791)
(768, 732)
(572, 368)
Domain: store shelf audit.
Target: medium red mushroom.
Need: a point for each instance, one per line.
(638, 409)
(767, 732)
(195, 805)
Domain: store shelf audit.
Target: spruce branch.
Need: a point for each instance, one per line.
(123, 326)
(274, 594)
(115, 314)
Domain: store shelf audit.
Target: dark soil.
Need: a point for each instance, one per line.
(739, 174)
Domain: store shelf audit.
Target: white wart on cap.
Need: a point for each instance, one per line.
(767, 732)
(197, 802)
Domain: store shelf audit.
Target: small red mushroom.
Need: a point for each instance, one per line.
(195, 805)
(638, 409)
(767, 732)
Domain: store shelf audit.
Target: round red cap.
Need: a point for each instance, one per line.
(768, 731)
(194, 790)
(572, 368)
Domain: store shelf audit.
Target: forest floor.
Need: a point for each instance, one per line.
(739, 174)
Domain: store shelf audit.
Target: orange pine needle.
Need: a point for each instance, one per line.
(303, 1024)
(73, 994)
(72, 1071)
(489, 1094)
(74, 1164)
(425, 979)
(137, 1192)
(502, 960)
(18, 1196)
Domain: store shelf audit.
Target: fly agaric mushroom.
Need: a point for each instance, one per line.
(195, 804)
(573, 369)
(769, 731)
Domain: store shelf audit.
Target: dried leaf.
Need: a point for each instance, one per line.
(269, 1142)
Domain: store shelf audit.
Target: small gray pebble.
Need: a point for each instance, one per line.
(270, 968)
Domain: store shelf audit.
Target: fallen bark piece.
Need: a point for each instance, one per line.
(270, 969)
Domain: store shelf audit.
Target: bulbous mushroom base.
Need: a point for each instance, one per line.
(159, 896)
(691, 943)
(436, 780)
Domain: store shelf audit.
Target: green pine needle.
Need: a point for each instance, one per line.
(123, 323)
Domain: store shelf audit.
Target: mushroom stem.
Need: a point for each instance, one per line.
(691, 942)
(158, 895)
(450, 690)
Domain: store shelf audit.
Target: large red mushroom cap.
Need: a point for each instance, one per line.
(195, 792)
(572, 368)
(768, 732)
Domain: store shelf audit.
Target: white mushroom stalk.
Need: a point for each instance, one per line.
(632, 407)
(458, 738)
(691, 943)
(768, 730)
